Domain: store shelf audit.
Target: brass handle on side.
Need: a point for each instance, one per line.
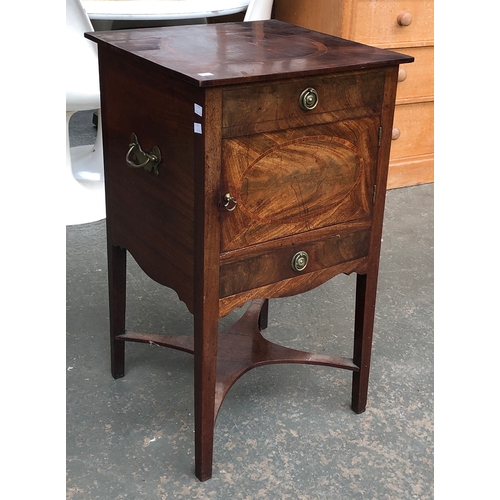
(148, 161)
(308, 99)
(405, 18)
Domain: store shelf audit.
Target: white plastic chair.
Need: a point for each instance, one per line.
(84, 180)
(84, 183)
(258, 10)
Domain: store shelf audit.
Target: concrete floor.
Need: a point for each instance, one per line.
(284, 431)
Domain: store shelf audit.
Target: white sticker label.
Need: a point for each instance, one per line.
(197, 128)
(198, 109)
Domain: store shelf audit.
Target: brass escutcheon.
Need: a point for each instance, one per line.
(299, 261)
(230, 202)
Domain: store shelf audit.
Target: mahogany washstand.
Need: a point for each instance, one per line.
(243, 161)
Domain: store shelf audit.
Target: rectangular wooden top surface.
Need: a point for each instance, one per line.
(227, 53)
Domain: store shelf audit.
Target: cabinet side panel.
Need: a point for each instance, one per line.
(150, 215)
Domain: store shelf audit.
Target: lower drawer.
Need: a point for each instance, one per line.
(270, 264)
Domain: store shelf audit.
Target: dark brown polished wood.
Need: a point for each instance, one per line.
(224, 105)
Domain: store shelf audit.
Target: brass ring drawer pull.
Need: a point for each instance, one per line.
(299, 261)
(308, 99)
(148, 161)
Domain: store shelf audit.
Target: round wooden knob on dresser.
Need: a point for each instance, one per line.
(405, 19)
(395, 133)
(402, 75)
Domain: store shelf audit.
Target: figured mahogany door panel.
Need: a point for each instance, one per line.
(277, 105)
(269, 265)
(294, 181)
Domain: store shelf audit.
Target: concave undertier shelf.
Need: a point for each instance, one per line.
(242, 347)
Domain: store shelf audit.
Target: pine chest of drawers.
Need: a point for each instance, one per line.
(406, 25)
(243, 161)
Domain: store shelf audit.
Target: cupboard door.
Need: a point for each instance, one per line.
(289, 182)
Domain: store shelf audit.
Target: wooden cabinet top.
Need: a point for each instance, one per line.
(229, 53)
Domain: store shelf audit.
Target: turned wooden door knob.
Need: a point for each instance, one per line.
(405, 19)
